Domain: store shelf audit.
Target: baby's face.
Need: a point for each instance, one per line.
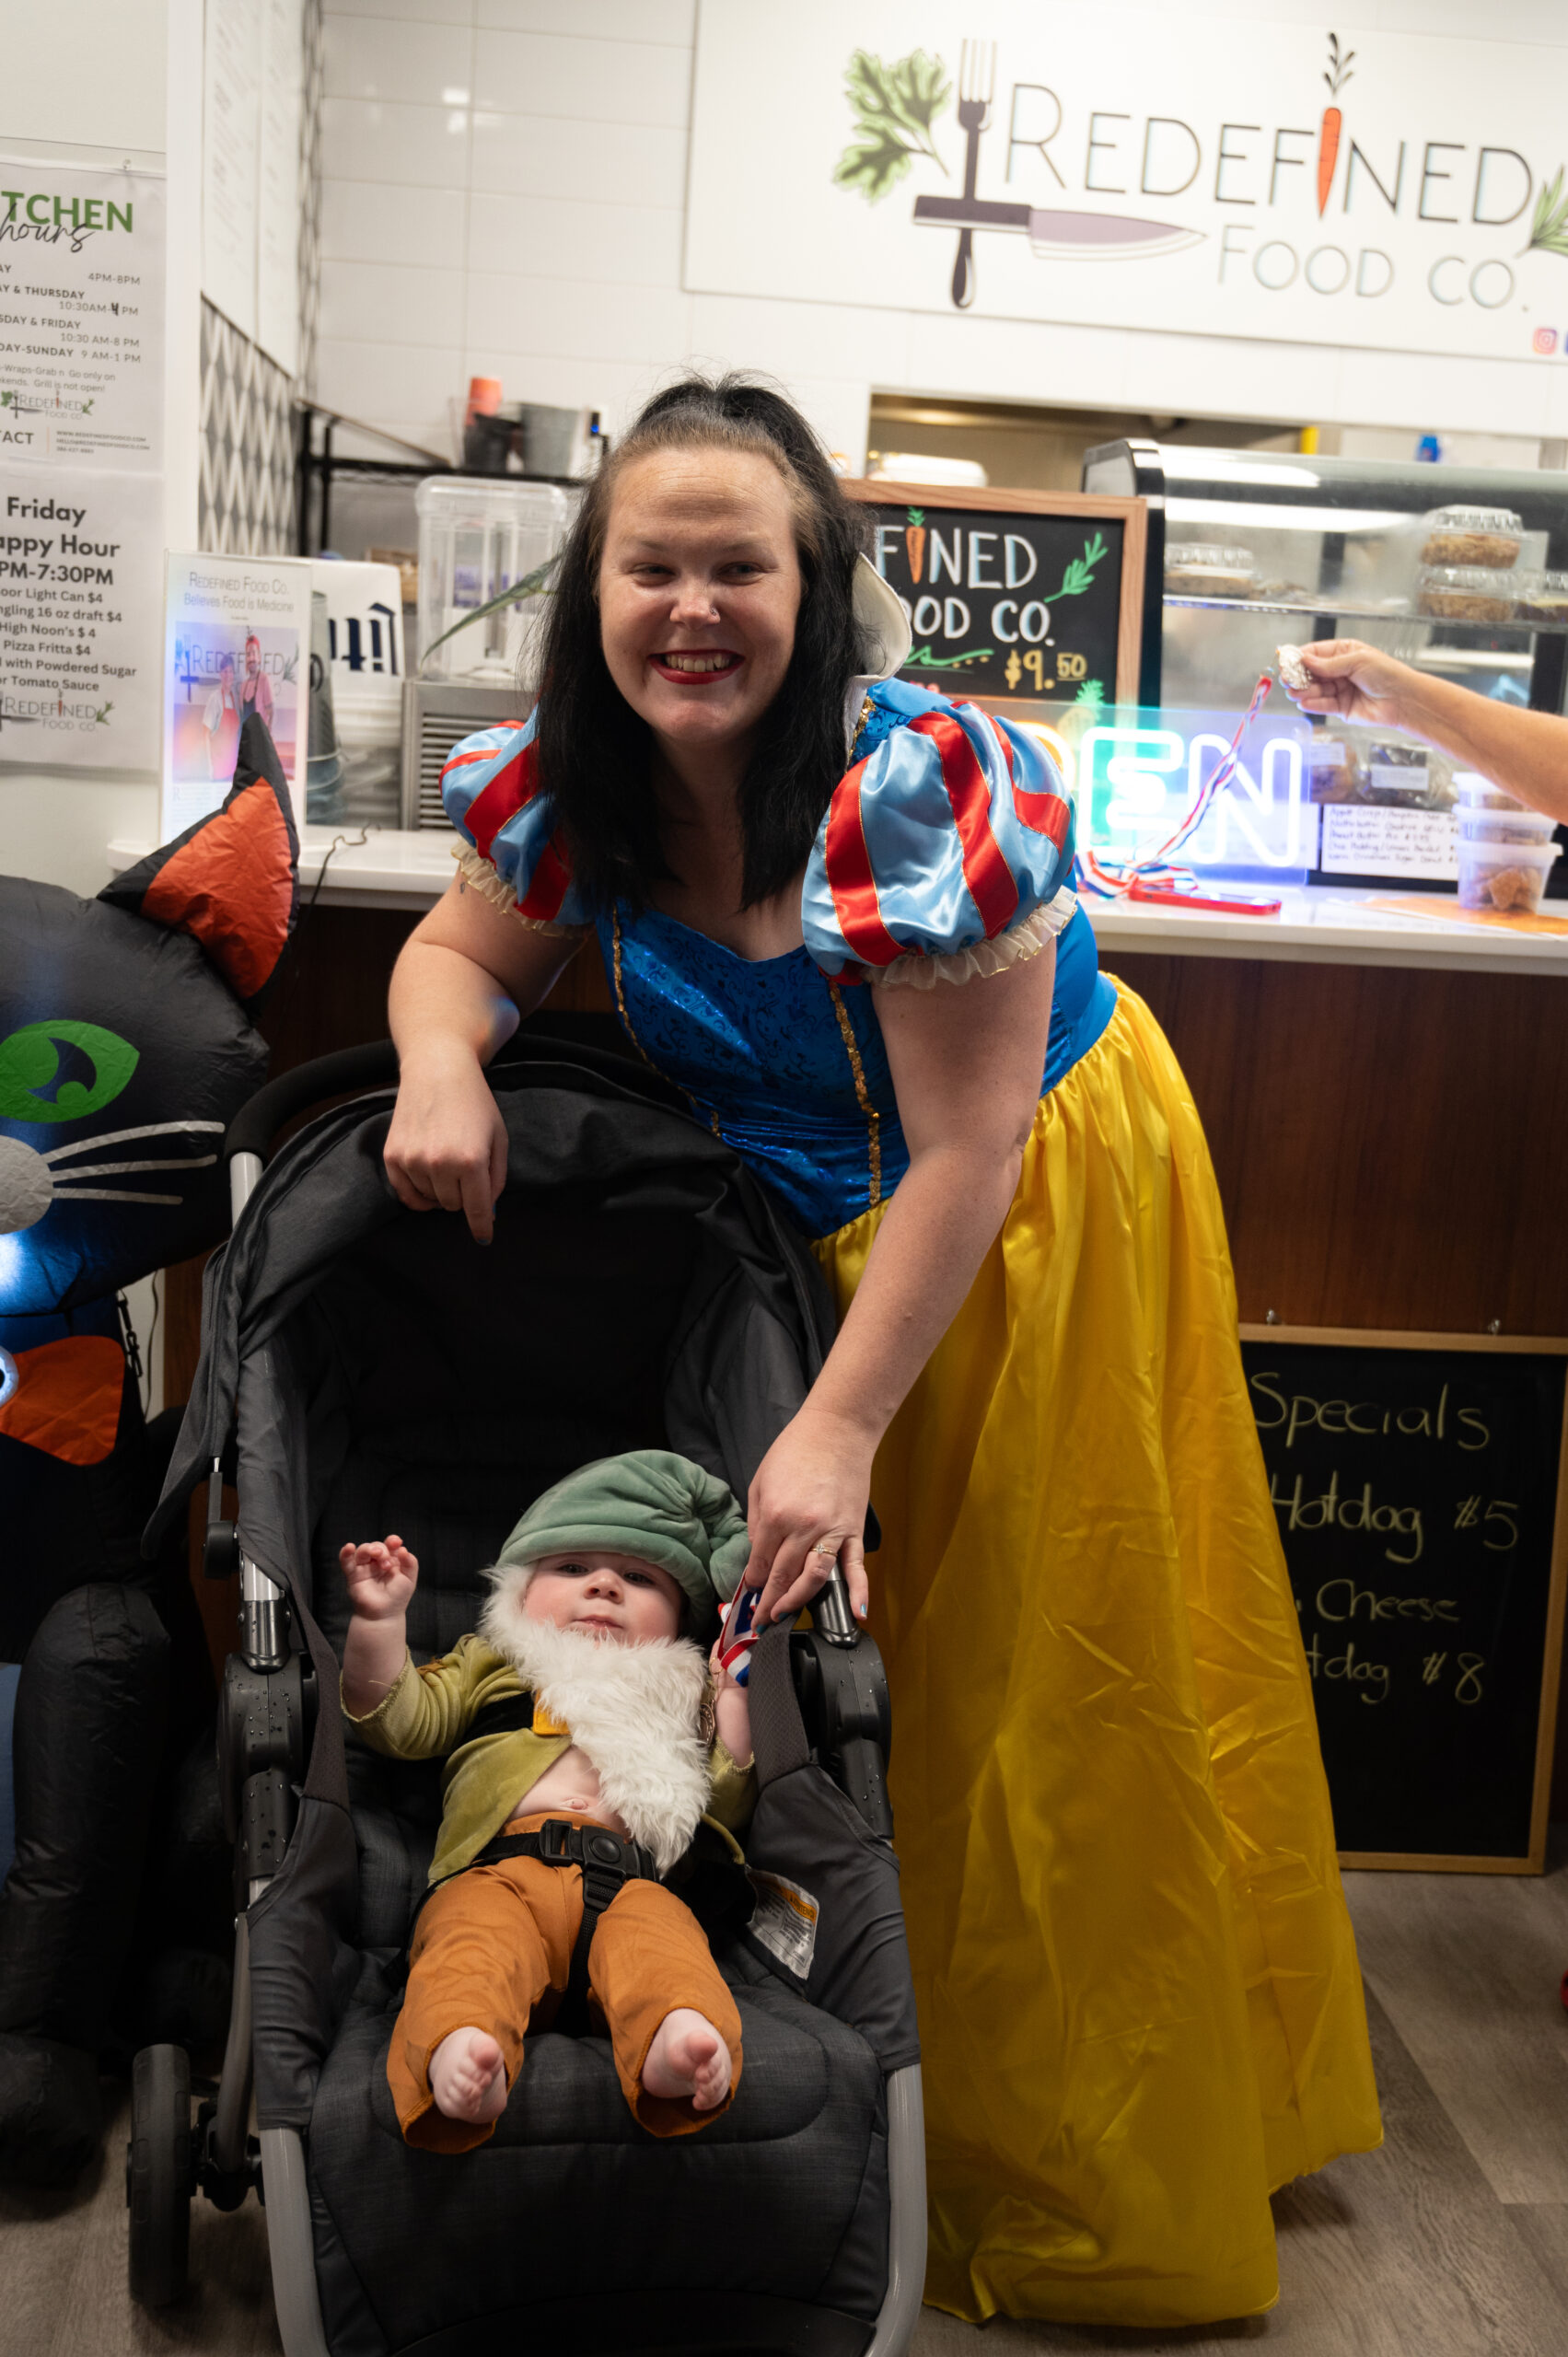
(618, 1598)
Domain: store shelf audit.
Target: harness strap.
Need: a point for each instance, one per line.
(607, 1862)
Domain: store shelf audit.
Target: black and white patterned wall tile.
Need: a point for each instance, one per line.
(315, 66)
(246, 494)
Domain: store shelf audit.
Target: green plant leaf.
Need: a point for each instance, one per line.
(532, 585)
(895, 107)
(1549, 227)
(873, 168)
(920, 89)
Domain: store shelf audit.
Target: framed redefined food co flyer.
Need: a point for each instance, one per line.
(237, 641)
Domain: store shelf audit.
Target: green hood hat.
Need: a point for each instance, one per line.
(652, 1503)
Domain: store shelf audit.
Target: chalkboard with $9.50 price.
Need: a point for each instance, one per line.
(1014, 594)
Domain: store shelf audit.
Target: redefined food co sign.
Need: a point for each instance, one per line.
(1151, 171)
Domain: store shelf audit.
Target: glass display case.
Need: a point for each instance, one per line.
(1456, 570)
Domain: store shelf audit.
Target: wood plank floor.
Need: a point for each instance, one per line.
(1451, 2242)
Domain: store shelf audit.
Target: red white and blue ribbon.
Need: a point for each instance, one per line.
(1153, 867)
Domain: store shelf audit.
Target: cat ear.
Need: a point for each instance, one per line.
(232, 880)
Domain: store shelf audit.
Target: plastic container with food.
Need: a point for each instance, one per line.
(1543, 596)
(1466, 593)
(1201, 569)
(1486, 535)
(1509, 876)
(1397, 773)
(1477, 792)
(1506, 826)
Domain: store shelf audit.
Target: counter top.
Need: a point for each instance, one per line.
(1317, 925)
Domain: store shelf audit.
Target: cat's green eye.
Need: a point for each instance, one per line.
(61, 1070)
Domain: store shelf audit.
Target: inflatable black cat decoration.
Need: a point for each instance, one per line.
(126, 1047)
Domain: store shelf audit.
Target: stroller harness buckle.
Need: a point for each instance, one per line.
(607, 1863)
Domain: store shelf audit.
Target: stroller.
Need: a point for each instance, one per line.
(365, 1368)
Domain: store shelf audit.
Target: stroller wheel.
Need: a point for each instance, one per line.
(158, 2174)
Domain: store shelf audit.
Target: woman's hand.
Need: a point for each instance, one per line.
(447, 1148)
(811, 1489)
(1353, 681)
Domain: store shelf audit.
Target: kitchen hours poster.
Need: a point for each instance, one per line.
(81, 464)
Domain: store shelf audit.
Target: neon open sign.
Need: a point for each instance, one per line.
(1135, 770)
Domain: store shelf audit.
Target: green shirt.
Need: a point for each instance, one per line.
(422, 1715)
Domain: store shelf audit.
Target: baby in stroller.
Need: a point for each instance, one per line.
(587, 1737)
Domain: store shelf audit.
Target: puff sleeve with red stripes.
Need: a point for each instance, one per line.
(490, 788)
(944, 855)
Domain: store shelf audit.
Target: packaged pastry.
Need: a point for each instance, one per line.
(1201, 569)
(1509, 876)
(1506, 826)
(1543, 596)
(1466, 593)
(1398, 775)
(1335, 771)
(1293, 671)
(1486, 535)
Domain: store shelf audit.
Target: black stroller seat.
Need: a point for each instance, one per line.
(643, 1290)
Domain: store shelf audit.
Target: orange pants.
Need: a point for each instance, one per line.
(494, 1945)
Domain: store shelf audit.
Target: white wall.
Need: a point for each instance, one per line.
(504, 191)
(103, 79)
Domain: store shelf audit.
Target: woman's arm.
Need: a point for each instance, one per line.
(966, 1062)
(465, 974)
(1521, 753)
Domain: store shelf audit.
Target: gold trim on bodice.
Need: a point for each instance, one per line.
(862, 1095)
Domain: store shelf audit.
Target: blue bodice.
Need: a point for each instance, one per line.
(789, 1068)
(950, 829)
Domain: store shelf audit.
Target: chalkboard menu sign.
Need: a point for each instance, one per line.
(1419, 1482)
(1014, 594)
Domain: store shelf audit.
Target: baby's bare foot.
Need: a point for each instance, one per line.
(688, 2057)
(468, 2078)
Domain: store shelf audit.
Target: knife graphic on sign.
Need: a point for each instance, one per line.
(1056, 235)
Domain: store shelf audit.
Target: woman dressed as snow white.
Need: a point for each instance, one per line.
(835, 910)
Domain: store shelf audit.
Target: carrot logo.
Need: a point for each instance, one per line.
(1338, 75)
(914, 541)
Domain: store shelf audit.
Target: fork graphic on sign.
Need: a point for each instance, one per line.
(1055, 234)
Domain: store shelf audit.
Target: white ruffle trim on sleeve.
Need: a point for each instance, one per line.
(1013, 947)
(481, 877)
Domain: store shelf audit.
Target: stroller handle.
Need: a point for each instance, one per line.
(249, 1138)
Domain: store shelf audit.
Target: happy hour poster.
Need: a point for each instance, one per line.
(236, 639)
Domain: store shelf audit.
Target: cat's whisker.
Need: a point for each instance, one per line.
(109, 1195)
(124, 1137)
(113, 1169)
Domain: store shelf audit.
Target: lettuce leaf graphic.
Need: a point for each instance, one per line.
(895, 107)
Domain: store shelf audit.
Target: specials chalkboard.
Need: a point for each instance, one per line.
(1014, 594)
(1419, 1484)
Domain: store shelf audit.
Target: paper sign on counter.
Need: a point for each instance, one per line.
(1366, 838)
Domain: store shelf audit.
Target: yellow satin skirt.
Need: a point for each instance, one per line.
(1139, 2000)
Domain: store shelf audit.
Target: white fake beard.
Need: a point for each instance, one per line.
(635, 1711)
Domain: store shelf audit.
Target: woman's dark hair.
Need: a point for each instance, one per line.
(594, 753)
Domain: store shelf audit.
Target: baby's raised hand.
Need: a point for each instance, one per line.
(381, 1576)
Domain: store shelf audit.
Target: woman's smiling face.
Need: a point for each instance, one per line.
(699, 586)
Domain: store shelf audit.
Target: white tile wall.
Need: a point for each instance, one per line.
(503, 195)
